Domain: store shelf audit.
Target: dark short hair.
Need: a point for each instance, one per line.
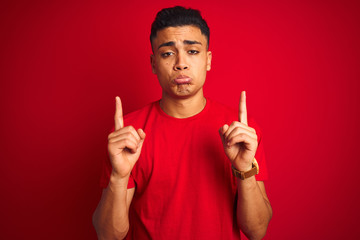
(176, 17)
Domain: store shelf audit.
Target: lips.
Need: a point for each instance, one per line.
(182, 79)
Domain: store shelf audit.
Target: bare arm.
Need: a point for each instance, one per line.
(253, 208)
(240, 144)
(111, 217)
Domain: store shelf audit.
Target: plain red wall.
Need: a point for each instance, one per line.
(63, 62)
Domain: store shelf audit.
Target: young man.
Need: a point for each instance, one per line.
(181, 180)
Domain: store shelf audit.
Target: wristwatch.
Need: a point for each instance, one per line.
(244, 175)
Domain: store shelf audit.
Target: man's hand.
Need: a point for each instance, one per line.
(124, 144)
(240, 140)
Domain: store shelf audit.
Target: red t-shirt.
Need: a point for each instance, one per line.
(184, 185)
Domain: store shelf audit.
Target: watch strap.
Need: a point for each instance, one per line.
(244, 175)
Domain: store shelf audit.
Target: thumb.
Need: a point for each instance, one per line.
(222, 131)
(142, 136)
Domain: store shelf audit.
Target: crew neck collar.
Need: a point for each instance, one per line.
(202, 112)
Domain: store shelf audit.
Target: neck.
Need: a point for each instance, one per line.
(183, 108)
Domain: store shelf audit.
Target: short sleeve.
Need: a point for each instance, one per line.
(260, 153)
(105, 173)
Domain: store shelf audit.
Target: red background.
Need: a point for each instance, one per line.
(63, 62)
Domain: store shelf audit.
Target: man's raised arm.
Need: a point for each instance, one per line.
(111, 217)
(240, 144)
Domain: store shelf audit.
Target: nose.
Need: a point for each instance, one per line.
(180, 63)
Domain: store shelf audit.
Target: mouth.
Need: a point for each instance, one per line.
(182, 79)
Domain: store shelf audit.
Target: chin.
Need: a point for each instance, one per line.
(184, 89)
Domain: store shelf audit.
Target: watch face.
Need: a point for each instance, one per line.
(243, 175)
(256, 165)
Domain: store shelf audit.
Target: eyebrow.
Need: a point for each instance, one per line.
(186, 42)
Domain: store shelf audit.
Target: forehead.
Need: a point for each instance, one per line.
(179, 34)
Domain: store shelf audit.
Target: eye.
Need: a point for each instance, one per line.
(167, 54)
(193, 52)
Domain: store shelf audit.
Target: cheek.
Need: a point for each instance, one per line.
(162, 62)
(164, 67)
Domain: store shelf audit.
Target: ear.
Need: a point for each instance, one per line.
(208, 60)
(152, 62)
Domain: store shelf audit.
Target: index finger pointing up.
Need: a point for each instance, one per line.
(242, 108)
(119, 121)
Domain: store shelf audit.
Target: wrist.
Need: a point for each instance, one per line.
(248, 172)
(243, 167)
(117, 180)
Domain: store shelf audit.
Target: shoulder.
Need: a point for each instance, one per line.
(220, 109)
(229, 114)
(138, 117)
